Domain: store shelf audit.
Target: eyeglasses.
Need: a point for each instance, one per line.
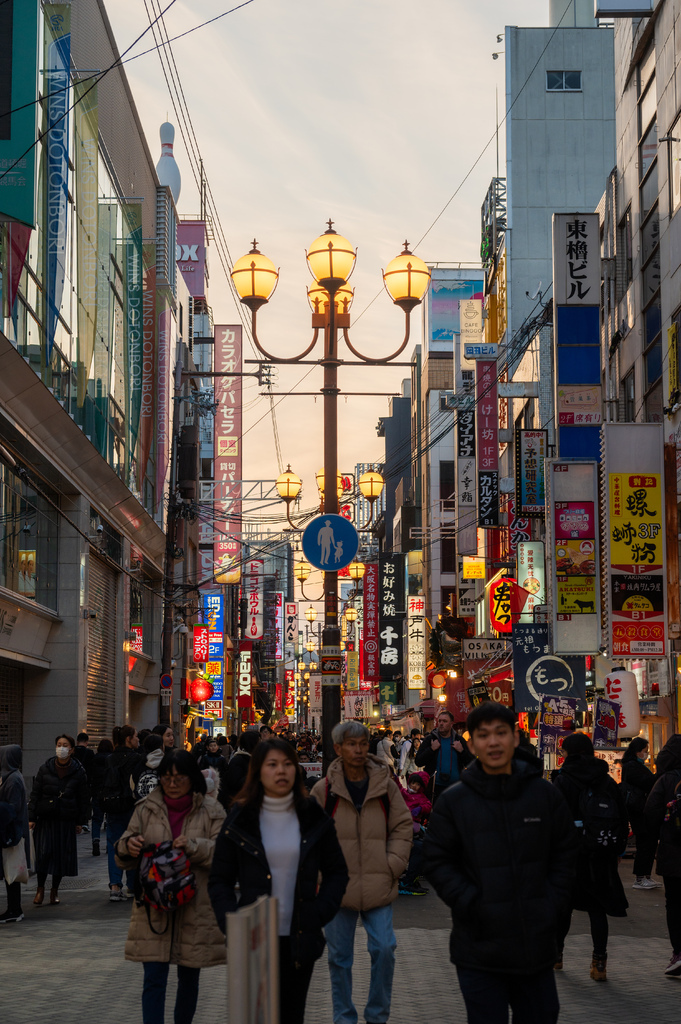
(174, 780)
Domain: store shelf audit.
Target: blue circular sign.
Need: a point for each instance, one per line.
(166, 682)
(330, 542)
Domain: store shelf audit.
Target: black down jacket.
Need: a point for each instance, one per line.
(240, 858)
(66, 799)
(500, 851)
(668, 850)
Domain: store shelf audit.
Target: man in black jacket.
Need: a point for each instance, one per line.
(443, 753)
(501, 850)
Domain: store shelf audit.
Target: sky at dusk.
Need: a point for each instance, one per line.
(371, 112)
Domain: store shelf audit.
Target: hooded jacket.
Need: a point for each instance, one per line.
(668, 851)
(598, 881)
(191, 938)
(13, 793)
(240, 858)
(669, 757)
(66, 799)
(500, 851)
(418, 803)
(376, 848)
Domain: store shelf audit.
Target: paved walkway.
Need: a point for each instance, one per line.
(69, 959)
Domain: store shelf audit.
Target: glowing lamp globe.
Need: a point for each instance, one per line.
(255, 278)
(201, 690)
(371, 484)
(320, 299)
(319, 477)
(406, 279)
(302, 571)
(351, 614)
(288, 485)
(356, 570)
(331, 260)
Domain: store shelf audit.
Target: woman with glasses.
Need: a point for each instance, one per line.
(178, 810)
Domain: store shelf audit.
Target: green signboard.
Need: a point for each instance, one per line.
(18, 109)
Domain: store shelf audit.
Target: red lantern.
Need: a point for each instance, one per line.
(201, 690)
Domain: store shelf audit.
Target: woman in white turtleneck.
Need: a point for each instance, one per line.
(276, 841)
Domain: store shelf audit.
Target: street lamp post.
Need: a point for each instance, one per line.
(331, 259)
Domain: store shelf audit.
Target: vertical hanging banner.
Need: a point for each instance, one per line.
(87, 220)
(255, 596)
(487, 424)
(148, 406)
(352, 670)
(191, 255)
(164, 400)
(636, 546)
(466, 482)
(244, 683)
(531, 448)
(370, 660)
(103, 346)
(291, 622)
(134, 286)
(227, 443)
(19, 110)
(416, 644)
(575, 598)
(57, 83)
(390, 615)
(279, 625)
(531, 577)
(577, 334)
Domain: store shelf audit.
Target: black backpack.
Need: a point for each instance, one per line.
(634, 799)
(115, 796)
(602, 826)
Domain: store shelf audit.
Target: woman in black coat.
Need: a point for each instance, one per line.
(58, 809)
(276, 841)
(13, 794)
(637, 782)
(598, 890)
(659, 817)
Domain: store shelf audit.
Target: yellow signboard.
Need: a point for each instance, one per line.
(352, 679)
(213, 668)
(636, 522)
(576, 595)
(473, 568)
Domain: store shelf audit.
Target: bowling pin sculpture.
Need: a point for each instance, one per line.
(167, 169)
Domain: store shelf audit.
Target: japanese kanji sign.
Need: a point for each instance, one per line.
(487, 426)
(531, 450)
(531, 576)
(227, 444)
(370, 653)
(539, 673)
(635, 532)
(576, 259)
(253, 586)
(606, 723)
(500, 614)
(416, 642)
(390, 603)
(291, 622)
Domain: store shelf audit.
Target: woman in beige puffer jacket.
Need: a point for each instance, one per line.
(189, 936)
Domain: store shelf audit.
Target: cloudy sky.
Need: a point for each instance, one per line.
(371, 112)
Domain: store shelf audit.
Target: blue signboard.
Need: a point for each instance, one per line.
(330, 542)
(538, 673)
(213, 612)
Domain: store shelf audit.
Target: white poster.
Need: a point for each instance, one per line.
(531, 576)
(315, 693)
(416, 643)
(291, 622)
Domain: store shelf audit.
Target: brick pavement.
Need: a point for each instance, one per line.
(69, 959)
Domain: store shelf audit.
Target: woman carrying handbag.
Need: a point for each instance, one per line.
(16, 853)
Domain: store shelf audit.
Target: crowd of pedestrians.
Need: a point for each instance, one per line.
(197, 834)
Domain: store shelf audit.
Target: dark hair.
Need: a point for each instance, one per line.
(185, 764)
(121, 733)
(252, 790)
(233, 739)
(578, 743)
(444, 711)
(142, 734)
(415, 732)
(82, 737)
(248, 741)
(105, 746)
(221, 739)
(65, 736)
(160, 730)
(489, 711)
(152, 742)
(265, 728)
(638, 744)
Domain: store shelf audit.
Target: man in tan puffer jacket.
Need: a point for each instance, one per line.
(375, 831)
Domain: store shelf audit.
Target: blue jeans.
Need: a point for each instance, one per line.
(487, 995)
(97, 819)
(381, 942)
(116, 825)
(154, 993)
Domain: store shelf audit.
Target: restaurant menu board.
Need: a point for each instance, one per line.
(575, 546)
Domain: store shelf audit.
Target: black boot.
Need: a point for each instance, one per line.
(95, 848)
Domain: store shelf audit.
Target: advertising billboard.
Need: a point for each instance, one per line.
(191, 256)
(448, 289)
(227, 443)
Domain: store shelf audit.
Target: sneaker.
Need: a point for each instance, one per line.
(645, 883)
(411, 890)
(116, 896)
(96, 852)
(654, 882)
(128, 893)
(84, 828)
(10, 918)
(674, 967)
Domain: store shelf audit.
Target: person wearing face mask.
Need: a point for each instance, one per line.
(57, 810)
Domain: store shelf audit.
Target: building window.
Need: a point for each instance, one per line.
(624, 254)
(448, 553)
(447, 487)
(629, 397)
(652, 360)
(29, 531)
(674, 150)
(563, 81)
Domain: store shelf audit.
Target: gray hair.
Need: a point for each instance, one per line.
(350, 730)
